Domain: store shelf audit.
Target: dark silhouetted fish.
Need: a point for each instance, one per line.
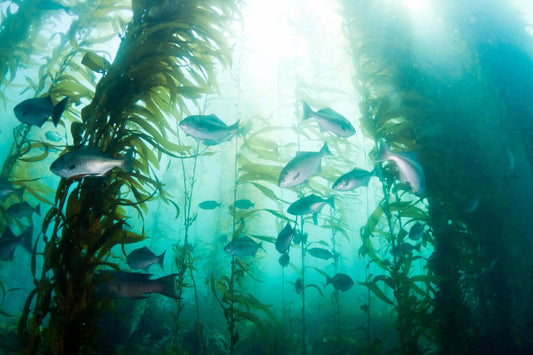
(6, 189)
(299, 285)
(321, 253)
(23, 210)
(301, 167)
(9, 242)
(341, 282)
(408, 166)
(89, 162)
(417, 231)
(244, 204)
(284, 259)
(143, 258)
(404, 249)
(329, 120)
(115, 283)
(352, 180)
(208, 128)
(309, 204)
(244, 246)
(37, 110)
(283, 242)
(208, 205)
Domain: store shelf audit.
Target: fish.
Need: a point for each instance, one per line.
(208, 205)
(89, 162)
(284, 259)
(123, 284)
(408, 165)
(244, 204)
(329, 121)
(299, 237)
(340, 281)
(6, 190)
(310, 204)
(417, 231)
(404, 249)
(36, 111)
(9, 242)
(299, 285)
(23, 209)
(53, 136)
(283, 241)
(321, 253)
(302, 166)
(208, 128)
(244, 246)
(353, 179)
(143, 258)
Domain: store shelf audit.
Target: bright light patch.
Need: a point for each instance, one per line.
(417, 7)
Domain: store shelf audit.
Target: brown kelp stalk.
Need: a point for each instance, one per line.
(303, 251)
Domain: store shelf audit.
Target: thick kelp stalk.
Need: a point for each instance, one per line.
(166, 56)
(450, 97)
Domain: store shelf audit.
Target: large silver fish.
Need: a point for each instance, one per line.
(283, 241)
(353, 179)
(329, 120)
(143, 258)
(244, 246)
(310, 204)
(9, 242)
(6, 189)
(408, 166)
(37, 110)
(208, 128)
(302, 166)
(89, 162)
(115, 283)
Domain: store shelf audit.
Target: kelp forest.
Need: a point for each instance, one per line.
(281, 177)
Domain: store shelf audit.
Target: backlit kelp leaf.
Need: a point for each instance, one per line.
(247, 177)
(265, 238)
(268, 193)
(95, 62)
(377, 291)
(316, 288)
(239, 229)
(5, 314)
(37, 157)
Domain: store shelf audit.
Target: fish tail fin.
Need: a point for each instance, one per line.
(20, 192)
(168, 286)
(325, 149)
(25, 239)
(328, 280)
(235, 127)
(331, 201)
(58, 110)
(383, 152)
(38, 209)
(127, 161)
(160, 259)
(307, 110)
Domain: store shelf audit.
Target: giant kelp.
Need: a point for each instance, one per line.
(156, 69)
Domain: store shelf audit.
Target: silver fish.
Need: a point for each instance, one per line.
(208, 205)
(244, 246)
(115, 283)
(310, 204)
(37, 110)
(283, 241)
(208, 128)
(408, 166)
(417, 231)
(89, 162)
(23, 210)
(329, 120)
(6, 190)
(321, 253)
(353, 179)
(9, 242)
(143, 258)
(341, 282)
(302, 166)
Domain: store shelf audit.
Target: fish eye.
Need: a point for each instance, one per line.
(71, 167)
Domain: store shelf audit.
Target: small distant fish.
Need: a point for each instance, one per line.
(208, 205)
(284, 238)
(37, 110)
(302, 166)
(353, 179)
(6, 190)
(23, 210)
(115, 283)
(89, 162)
(404, 249)
(321, 253)
(341, 282)
(244, 246)
(417, 231)
(408, 166)
(284, 259)
(299, 237)
(208, 128)
(53, 136)
(244, 204)
(329, 120)
(310, 204)
(143, 258)
(9, 242)
(299, 285)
